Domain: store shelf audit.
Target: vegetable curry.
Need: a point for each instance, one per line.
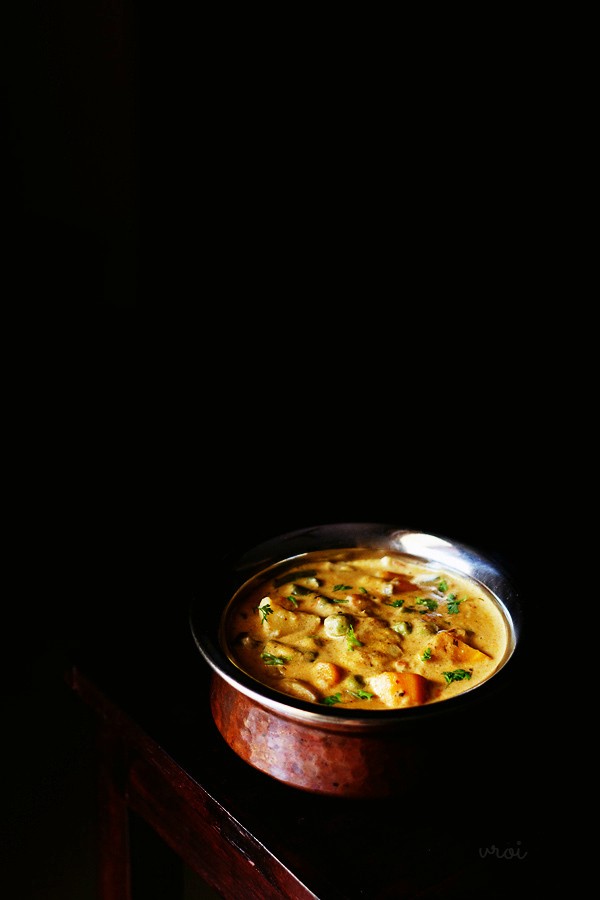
(358, 630)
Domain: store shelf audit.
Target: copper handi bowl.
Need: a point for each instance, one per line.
(345, 752)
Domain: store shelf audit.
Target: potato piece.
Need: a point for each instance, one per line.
(281, 651)
(300, 689)
(367, 657)
(277, 621)
(360, 604)
(376, 635)
(456, 650)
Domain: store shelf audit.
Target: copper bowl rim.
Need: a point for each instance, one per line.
(205, 623)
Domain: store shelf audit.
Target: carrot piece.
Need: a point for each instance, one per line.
(414, 685)
(392, 686)
(458, 651)
(327, 674)
(400, 582)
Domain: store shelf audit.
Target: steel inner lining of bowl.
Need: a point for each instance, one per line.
(381, 538)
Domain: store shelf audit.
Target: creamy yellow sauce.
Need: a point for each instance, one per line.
(354, 629)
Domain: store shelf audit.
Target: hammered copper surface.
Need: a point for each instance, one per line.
(317, 759)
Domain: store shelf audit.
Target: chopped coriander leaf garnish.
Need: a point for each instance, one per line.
(430, 604)
(271, 660)
(353, 641)
(332, 699)
(342, 587)
(265, 611)
(396, 603)
(361, 695)
(426, 654)
(339, 600)
(292, 600)
(456, 675)
(363, 590)
(454, 603)
(443, 585)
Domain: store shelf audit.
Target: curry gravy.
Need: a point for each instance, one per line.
(361, 630)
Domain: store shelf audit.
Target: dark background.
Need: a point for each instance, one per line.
(261, 292)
